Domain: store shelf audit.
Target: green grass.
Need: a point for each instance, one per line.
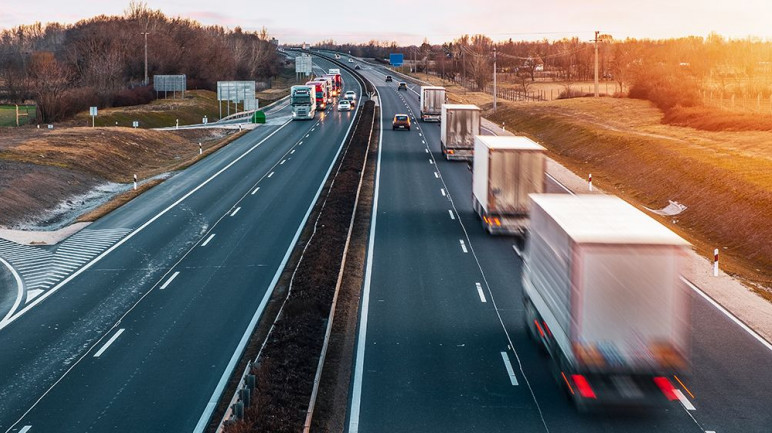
(8, 114)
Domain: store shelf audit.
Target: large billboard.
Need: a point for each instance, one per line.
(235, 91)
(303, 64)
(396, 59)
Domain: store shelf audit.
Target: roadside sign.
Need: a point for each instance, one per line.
(135, 124)
(92, 111)
(396, 59)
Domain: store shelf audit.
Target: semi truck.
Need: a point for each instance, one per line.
(335, 72)
(460, 123)
(603, 295)
(303, 102)
(328, 80)
(320, 88)
(337, 83)
(505, 169)
(431, 99)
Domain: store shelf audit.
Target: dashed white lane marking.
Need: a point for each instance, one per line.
(420, 135)
(271, 174)
(517, 250)
(444, 194)
(109, 342)
(463, 246)
(292, 151)
(436, 175)
(684, 401)
(169, 281)
(255, 191)
(236, 211)
(710, 431)
(282, 162)
(25, 429)
(426, 150)
(450, 211)
(431, 161)
(480, 292)
(208, 240)
(508, 365)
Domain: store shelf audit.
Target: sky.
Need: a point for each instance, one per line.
(410, 22)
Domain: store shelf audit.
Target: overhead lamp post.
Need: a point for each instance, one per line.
(145, 34)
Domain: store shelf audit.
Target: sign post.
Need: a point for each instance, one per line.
(93, 113)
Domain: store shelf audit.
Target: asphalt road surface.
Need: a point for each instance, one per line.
(442, 346)
(150, 306)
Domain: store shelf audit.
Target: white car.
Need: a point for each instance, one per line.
(351, 96)
(344, 105)
(350, 60)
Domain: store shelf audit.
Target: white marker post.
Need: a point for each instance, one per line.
(715, 262)
(135, 182)
(200, 149)
(589, 181)
(502, 127)
(177, 124)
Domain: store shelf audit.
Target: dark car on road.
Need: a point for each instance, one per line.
(402, 86)
(388, 78)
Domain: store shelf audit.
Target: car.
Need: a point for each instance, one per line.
(388, 78)
(402, 86)
(350, 60)
(351, 96)
(344, 105)
(401, 121)
(357, 67)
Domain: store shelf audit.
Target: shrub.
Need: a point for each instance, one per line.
(135, 96)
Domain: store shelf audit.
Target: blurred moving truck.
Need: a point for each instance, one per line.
(303, 102)
(320, 88)
(431, 100)
(460, 124)
(604, 297)
(505, 170)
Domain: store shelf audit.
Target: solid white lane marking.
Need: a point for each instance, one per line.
(517, 250)
(109, 342)
(169, 281)
(236, 211)
(292, 151)
(282, 162)
(19, 290)
(25, 429)
(480, 292)
(271, 174)
(463, 245)
(255, 191)
(510, 371)
(450, 211)
(207, 240)
(436, 175)
(444, 194)
(684, 401)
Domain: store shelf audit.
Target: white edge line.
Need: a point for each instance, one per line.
(169, 281)
(356, 392)
(684, 401)
(731, 316)
(206, 242)
(135, 232)
(510, 371)
(480, 292)
(109, 342)
(19, 292)
(215, 398)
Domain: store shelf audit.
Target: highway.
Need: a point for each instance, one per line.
(441, 342)
(138, 329)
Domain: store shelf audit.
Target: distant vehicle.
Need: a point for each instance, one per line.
(388, 78)
(505, 170)
(401, 121)
(351, 96)
(604, 297)
(459, 125)
(357, 67)
(337, 82)
(402, 86)
(431, 99)
(344, 105)
(303, 102)
(330, 86)
(337, 56)
(322, 97)
(350, 60)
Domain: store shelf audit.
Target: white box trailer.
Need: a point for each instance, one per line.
(460, 123)
(603, 294)
(505, 170)
(431, 100)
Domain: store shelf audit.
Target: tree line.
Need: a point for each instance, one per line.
(101, 61)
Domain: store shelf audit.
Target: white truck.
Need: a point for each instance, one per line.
(460, 123)
(303, 102)
(603, 295)
(505, 170)
(431, 99)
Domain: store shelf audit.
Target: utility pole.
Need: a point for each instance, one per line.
(596, 64)
(146, 80)
(494, 78)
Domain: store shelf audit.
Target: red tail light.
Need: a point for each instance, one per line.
(451, 151)
(584, 388)
(541, 332)
(666, 387)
